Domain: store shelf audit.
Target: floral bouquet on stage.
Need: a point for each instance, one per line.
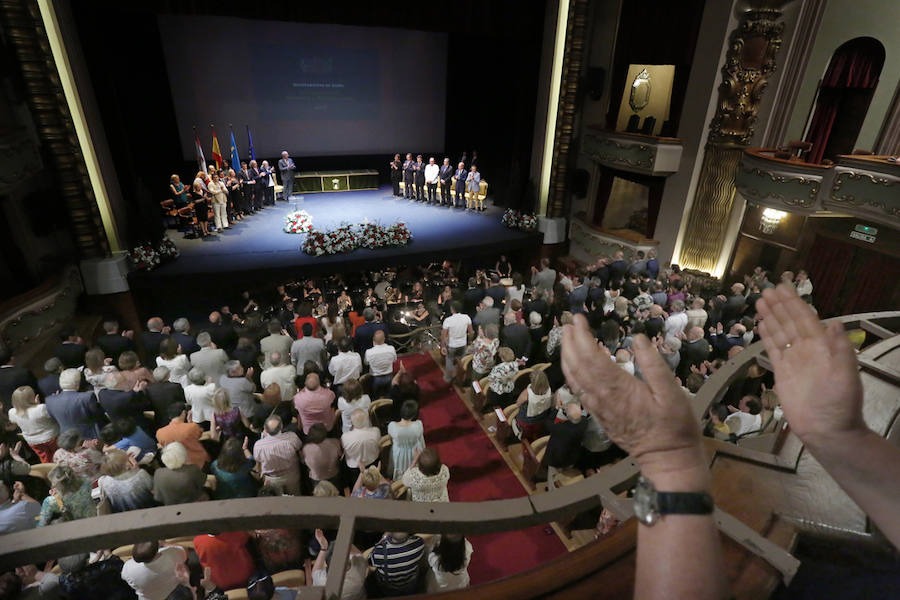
(167, 249)
(298, 221)
(144, 258)
(517, 220)
(315, 243)
(372, 235)
(398, 234)
(343, 239)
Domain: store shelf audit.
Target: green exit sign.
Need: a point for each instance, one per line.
(865, 229)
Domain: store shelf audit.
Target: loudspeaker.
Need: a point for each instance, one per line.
(594, 82)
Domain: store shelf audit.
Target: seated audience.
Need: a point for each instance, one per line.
(18, 510)
(69, 499)
(179, 482)
(427, 477)
(83, 458)
(535, 407)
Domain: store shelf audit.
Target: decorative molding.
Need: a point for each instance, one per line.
(27, 38)
(42, 313)
(845, 177)
(802, 40)
(808, 201)
(629, 155)
(750, 60)
(576, 32)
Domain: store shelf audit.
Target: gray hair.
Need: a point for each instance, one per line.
(174, 455)
(488, 302)
(535, 318)
(70, 380)
(161, 374)
(53, 365)
(181, 325)
(204, 339)
(196, 376)
(69, 439)
(369, 314)
(360, 419)
(677, 305)
(491, 331)
(232, 365)
(509, 318)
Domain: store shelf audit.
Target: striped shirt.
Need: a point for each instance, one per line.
(397, 563)
(278, 454)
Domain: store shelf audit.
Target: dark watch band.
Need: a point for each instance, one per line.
(684, 503)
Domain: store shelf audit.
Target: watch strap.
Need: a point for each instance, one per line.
(684, 503)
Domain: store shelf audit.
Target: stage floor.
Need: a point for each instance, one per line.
(258, 242)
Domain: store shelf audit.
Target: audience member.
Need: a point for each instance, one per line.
(407, 436)
(39, 429)
(278, 454)
(427, 477)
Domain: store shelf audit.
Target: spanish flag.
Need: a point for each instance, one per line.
(216, 153)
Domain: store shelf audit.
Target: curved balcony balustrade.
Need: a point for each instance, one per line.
(632, 152)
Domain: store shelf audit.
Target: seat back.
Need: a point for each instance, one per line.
(380, 412)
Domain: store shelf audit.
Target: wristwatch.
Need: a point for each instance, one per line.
(650, 505)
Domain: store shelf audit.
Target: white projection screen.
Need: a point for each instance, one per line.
(314, 90)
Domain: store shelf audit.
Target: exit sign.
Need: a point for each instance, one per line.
(865, 229)
(862, 236)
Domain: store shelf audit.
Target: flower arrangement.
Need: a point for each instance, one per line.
(519, 220)
(144, 257)
(348, 238)
(298, 221)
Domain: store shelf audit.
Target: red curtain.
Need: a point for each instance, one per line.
(856, 64)
(873, 284)
(829, 262)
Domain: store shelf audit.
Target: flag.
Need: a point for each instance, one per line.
(216, 152)
(235, 157)
(250, 140)
(201, 160)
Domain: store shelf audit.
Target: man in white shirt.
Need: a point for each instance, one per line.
(746, 418)
(346, 365)
(696, 314)
(677, 320)
(431, 178)
(208, 358)
(282, 373)
(361, 443)
(380, 358)
(804, 285)
(152, 572)
(454, 337)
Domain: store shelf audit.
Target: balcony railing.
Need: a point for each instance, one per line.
(633, 152)
(866, 187)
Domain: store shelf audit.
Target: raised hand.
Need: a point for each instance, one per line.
(651, 420)
(323, 541)
(816, 374)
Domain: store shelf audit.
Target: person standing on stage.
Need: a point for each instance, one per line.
(445, 174)
(473, 184)
(235, 202)
(253, 179)
(409, 170)
(431, 178)
(420, 179)
(219, 197)
(288, 168)
(267, 190)
(460, 175)
(396, 173)
(201, 208)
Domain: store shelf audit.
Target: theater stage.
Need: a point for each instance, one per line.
(257, 250)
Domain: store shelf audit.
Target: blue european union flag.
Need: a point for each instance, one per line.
(235, 157)
(250, 139)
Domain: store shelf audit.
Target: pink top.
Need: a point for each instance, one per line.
(315, 407)
(322, 459)
(277, 455)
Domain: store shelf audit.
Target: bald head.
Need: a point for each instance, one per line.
(378, 338)
(155, 324)
(312, 382)
(573, 412)
(656, 311)
(694, 334)
(275, 358)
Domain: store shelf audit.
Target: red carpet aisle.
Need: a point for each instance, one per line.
(477, 472)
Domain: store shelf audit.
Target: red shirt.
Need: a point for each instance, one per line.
(227, 557)
(300, 321)
(356, 320)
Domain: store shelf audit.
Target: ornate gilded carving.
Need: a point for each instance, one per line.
(748, 64)
(25, 34)
(807, 202)
(565, 117)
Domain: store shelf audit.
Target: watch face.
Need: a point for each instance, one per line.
(646, 507)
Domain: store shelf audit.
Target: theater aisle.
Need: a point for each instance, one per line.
(477, 472)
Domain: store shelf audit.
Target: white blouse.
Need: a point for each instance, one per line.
(37, 426)
(439, 581)
(178, 368)
(199, 397)
(347, 409)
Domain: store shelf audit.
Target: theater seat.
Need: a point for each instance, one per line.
(289, 579)
(41, 470)
(380, 413)
(399, 491)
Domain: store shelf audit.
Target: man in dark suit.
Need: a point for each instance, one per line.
(255, 183)
(152, 338)
(472, 297)
(459, 199)
(419, 172)
(445, 175)
(248, 185)
(578, 296)
(75, 410)
(181, 333)
(694, 350)
(496, 291)
(735, 305)
(71, 349)
(118, 403)
(618, 267)
(515, 336)
(49, 384)
(12, 377)
(113, 342)
(221, 333)
(409, 177)
(365, 333)
(161, 394)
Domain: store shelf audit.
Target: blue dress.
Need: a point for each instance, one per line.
(405, 441)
